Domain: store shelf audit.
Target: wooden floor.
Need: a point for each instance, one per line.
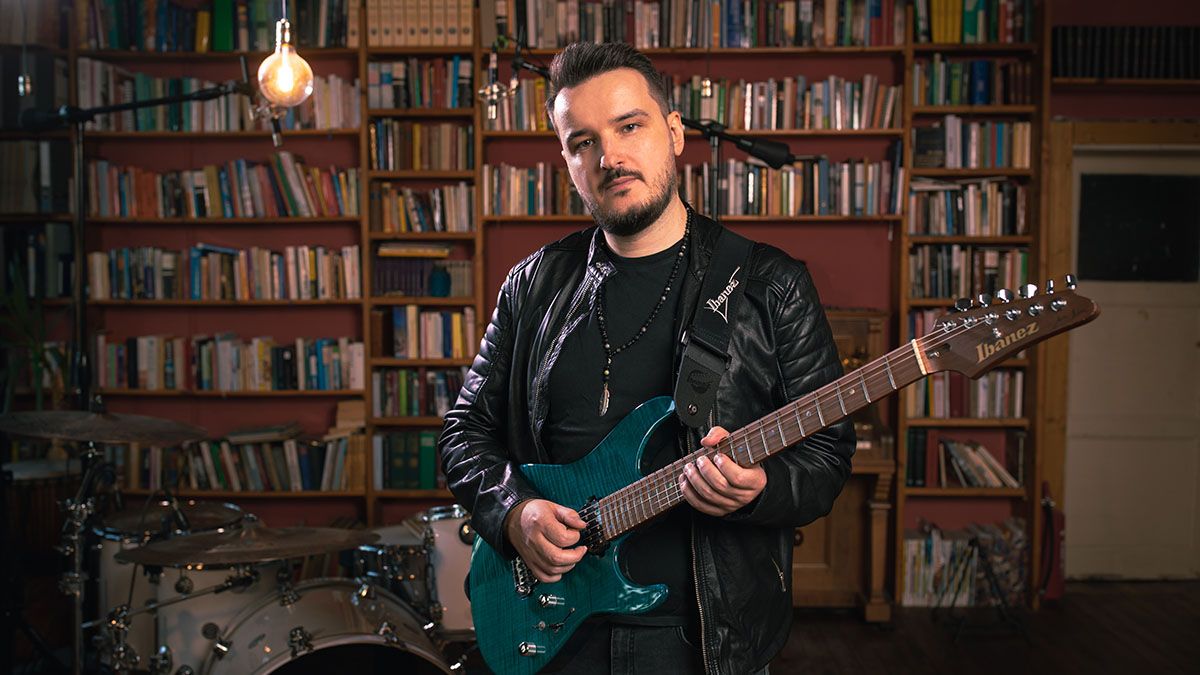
(1147, 627)
(1100, 627)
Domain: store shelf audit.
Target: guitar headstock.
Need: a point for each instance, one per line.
(978, 335)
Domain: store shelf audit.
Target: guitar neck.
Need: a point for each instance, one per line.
(643, 500)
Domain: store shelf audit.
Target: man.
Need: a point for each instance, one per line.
(587, 328)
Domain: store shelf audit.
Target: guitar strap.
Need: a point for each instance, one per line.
(706, 351)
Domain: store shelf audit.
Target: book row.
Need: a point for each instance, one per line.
(792, 103)
(1134, 52)
(420, 23)
(291, 465)
(401, 276)
(35, 176)
(975, 82)
(402, 145)
(407, 460)
(810, 187)
(219, 26)
(401, 210)
(421, 83)
(973, 21)
(958, 271)
(541, 190)
(668, 23)
(948, 395)
(228, 363)
(985, 207)
(930, 460)
(51, 75)
(945, 568)
(37, 260)
(210, 272)
(951, 144)
(334, 103)
(282, 187)
(398, 392)
(409, 332)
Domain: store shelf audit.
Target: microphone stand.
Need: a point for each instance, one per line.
(80, 375)
(774, 153)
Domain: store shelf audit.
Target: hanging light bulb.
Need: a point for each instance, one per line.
(284, 78)
(706, 87)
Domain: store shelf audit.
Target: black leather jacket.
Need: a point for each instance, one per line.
(782, 348)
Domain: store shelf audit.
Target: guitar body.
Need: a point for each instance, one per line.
(503, 619)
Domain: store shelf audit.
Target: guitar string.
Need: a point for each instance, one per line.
(622, 502)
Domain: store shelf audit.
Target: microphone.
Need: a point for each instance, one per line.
(276, 132)
(264, 109)
(36, 120)
(491, 92)
(180, 519)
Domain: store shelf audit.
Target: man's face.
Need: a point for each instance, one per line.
(620, 149)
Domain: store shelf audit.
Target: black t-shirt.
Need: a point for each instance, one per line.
(659, 552)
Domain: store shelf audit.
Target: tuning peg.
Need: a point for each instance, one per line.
(985, 299)
(962, 304)
(1027, 290)
(1004, 295)
(1070, 282)
(1049, 286)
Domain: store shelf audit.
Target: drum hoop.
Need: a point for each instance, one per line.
(443, 513)
(283, 658)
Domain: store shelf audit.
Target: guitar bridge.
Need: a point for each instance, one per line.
(523, 579)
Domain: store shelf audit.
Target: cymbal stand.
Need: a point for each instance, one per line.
(78, 511)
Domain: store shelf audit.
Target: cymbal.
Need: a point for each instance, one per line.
(136, 522)
(247, 545)
(80, 425)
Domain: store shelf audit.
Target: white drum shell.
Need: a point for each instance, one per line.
(451, 559)
(180, 625)
(333, 613)
(113, 590)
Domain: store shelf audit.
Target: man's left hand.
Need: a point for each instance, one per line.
(720, 486)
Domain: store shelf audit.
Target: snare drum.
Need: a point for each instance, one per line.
(133, 527)
(327, 626)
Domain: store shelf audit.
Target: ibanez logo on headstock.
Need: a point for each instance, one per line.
(984, 350)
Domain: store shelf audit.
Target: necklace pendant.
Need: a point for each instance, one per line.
(604, 400)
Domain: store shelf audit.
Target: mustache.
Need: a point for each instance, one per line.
(615, 174)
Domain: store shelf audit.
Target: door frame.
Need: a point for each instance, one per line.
(1058, 255)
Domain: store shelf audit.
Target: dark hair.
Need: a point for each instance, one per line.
(581, 61)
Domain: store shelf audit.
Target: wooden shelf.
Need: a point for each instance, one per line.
(256, 220)
(530, 220)
(1002, 492)
(421, 300)
(1123, 83)
(974, 109)
(413, 494)
(421, 236)
(417, 51)
(34, 135)
(969, 423)
(422, 112)
(420, 174)
(972, 173)
(889, 50)
(1008, 239)
(223, 303)
(34, 218)
(205, 135)
(190, 393)
(419, 363)
(252, 494)
(308, 53)
(406, 421)
(566, 218)
(959, 48)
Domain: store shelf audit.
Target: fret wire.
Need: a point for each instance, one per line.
(838, 388)
(887, 365)
(763, 434)
(779, 425)
(799, 422)
(820, 416)
(863, 378)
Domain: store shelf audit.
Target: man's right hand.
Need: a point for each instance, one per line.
(545, 535)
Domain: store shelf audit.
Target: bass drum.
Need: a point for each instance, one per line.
(328, 626)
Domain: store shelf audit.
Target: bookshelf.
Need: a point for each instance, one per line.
(870, 249)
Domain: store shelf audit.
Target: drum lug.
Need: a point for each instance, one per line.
(366, 590)
(388, 632)
(288, 595)
(161, 662)
(221, 648)
(185, 670)
(299, 640)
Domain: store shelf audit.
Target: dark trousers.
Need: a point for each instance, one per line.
(614, 649)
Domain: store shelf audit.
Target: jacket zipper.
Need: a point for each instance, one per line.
(696, 569)
(782, 585)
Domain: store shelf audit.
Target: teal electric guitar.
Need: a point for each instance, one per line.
(521, 623)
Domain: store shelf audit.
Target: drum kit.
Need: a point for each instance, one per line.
(187, 587)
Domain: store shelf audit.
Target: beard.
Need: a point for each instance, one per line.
(636, 218)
